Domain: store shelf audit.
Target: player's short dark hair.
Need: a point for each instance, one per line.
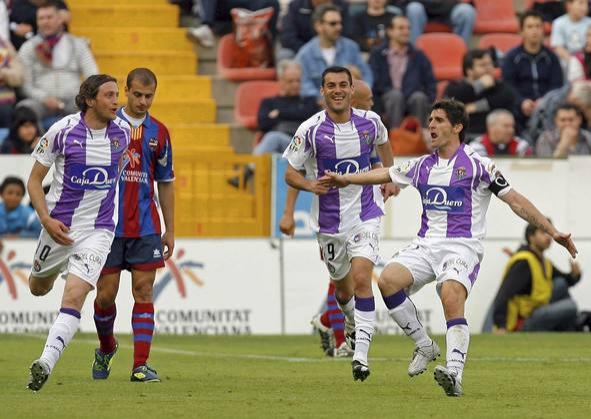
(531, 229)
(144, 75)
(89, 89)
(320, 11)
(337, 69)
(456, 113)
(471, 56)
(12, 180)
(529, 13)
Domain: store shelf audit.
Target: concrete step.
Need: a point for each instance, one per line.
(180, 112)
(137, 39)
(158, 15)
(172, 87)
(241, 138)
(223, 91)
(160, 62)
(199, 135)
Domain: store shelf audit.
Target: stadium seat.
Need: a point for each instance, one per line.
(495, 16)
(224, 54)
(445, 51)
(501, 41)
(248, 99)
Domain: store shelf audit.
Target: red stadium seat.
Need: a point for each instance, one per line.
(495, 16)
(224, 54)
(248, 99)
(445, 51)
(501, 41)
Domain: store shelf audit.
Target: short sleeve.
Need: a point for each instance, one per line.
(163, 171)
(381, 130)
(493, 179)
(403, 174)
(49, 147)
(299, 149)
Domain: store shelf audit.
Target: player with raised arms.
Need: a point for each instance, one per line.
(455, 185)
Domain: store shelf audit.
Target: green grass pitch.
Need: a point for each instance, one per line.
(511, 376)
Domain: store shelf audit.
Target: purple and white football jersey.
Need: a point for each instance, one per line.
(320, 144)
(455, 193)
(88, 164)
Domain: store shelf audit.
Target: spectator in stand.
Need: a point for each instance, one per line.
(215, 17)
(568, 138)
(23, 19)
(54, 62)
(569, 31)
(403, 77)
(500, 139)
(368, 28)
(460, 16)
(23, 135)
(479, 90)
(579, 65)
(297, 27)
(11, 77)
(534, 296)
(328, 49)
(531, 69)
(16, 220)
(280, 116)
(577, 93)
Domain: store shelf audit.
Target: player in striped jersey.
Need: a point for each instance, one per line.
(455, 185)
(347, 221)
(139, 245)
(79, 213)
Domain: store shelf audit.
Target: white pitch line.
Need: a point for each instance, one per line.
(259, 357)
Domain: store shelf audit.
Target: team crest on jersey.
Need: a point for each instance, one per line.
(153, 143)
(42, 146)
(461, 172)
(115, 144)
(296, 143)
(365, 135)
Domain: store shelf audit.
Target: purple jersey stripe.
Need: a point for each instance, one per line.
(70, 198)
(460, 224)
(474, 274)
(104, 218)
(329, 216)
(423, 180)
(369, 208)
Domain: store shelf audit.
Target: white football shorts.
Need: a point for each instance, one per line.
(338, 249)
(85, 258)
(434, 259)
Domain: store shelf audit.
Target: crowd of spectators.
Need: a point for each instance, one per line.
(376, 39)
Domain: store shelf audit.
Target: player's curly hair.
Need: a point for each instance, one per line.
(89, 89)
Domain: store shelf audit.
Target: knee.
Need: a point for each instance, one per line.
(463, 13)
(105, 298)
(416, 10)
(418, 98)
(142, 292)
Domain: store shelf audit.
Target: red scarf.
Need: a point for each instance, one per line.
(45, 49)
(491, 149)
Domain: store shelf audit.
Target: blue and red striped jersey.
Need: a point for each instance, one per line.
(150, 159)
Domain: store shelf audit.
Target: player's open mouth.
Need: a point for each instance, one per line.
(433, 135)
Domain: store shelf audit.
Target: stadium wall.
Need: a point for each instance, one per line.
(271, 285)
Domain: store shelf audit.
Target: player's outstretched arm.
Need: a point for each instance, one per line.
(55, 228)
(296, 180)
(373, 177)
(528, 211)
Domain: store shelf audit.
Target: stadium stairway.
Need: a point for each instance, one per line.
(124, 34)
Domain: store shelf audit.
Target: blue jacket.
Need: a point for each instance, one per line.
(296, 25)
(313, 64)
(531, 76)
(21, 221)
(418, 76)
